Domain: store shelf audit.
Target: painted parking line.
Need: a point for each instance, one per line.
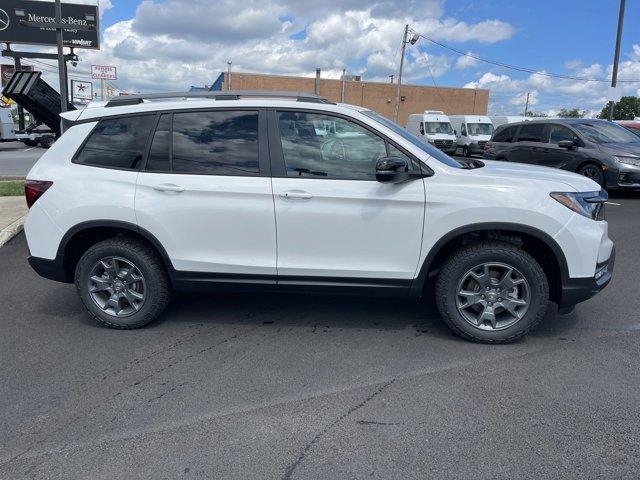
(29, 149)
(613, 203)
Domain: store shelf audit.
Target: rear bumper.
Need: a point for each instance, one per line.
(577, 290)
(51, 269)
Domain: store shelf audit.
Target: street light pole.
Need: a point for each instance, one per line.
(526, 105)
(64, 96)
(404, 46)
(616, 58)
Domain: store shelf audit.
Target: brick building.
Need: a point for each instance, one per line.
(377, 96)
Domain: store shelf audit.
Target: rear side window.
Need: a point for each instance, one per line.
(158, 160)
(531, 132)
(505, 135)
(117, 143)
(558, 133)
(215, 143)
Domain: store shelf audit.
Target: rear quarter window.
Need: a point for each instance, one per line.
(117, 143)
(505, 135)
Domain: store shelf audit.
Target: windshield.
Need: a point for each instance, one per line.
(480, 128)
(605, 132)
(437, 127)
(417, 141)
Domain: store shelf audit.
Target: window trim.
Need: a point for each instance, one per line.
(278, 165)
(264, 169)
(98, 121)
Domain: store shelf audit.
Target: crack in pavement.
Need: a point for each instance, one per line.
(291, 469)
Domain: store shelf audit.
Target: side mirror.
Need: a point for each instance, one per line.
(392, 170)
(455, 132)
(568, 144)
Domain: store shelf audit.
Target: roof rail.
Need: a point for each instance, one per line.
(214, 95)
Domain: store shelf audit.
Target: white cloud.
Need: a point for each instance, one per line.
(466, 62)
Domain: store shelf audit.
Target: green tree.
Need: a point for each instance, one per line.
(571, 113)
(536, 114)
(626, 109)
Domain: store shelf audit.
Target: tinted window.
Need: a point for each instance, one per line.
(158, 160)
(117, 143)
(413, 139)
(505, 135)
(531, 132)
(558, 133)
(216, 143)
(316, 145)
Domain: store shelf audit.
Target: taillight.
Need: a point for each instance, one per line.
(33, 190)
(487, 146)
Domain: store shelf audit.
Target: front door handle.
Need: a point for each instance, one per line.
(168, 187)
(296, 195)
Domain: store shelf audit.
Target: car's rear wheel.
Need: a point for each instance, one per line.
(491, 292)
(30, 143)
(594, 172)
(122, 283)
(465, 151)
(47, 141)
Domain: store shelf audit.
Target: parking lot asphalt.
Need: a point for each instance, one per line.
(300, 386)
(16, 159)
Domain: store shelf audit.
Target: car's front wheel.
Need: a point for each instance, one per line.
(122, 283)
(594, 172)
(491, 292)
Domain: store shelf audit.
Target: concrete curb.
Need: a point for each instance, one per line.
(11, 230)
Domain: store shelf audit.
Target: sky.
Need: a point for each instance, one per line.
(169, 45)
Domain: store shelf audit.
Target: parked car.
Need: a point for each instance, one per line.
(259, 191)
(433, 127)
(472, 132)
(598, 149)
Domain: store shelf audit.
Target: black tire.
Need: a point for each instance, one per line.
(465, 151)
(592, 171)
(144, 258)
(30, 143)
(47, 141)
(464, 260)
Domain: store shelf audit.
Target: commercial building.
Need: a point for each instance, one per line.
(378, 96)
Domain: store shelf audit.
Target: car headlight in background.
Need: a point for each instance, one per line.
(628, 160)
(587, 204)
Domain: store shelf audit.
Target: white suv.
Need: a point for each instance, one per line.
(235, 190)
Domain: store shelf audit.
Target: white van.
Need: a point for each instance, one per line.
(435, 128)
(472, 132)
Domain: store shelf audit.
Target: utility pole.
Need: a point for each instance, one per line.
(404, 46)
(526, 105)
(391, 78)
(616, 57)
(229, 75)
(62, 68)
(344, 73)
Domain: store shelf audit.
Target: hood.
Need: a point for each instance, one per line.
(629, 149)
(520, 171)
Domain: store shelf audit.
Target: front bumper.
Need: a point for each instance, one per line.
(626, 176)
(577, 290)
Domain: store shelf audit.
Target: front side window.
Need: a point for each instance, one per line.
(480, 128)
(117, 143)
(531, 132)
(558, 133)
(215, 143)
(318, 145)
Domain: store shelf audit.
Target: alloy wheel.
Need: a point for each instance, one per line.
(493, 296)
(117, 286)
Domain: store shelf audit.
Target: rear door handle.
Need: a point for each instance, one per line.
(168, 187)
(296, 195)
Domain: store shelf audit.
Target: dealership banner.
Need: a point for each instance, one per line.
(103, 72)
(13, 12)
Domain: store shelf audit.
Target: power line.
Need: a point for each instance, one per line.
(516, 67)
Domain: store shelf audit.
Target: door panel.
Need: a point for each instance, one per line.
(333, 218)
(349, 228)
(207, 218)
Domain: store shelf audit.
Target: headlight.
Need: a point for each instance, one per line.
(628, 160)
(587, 204)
